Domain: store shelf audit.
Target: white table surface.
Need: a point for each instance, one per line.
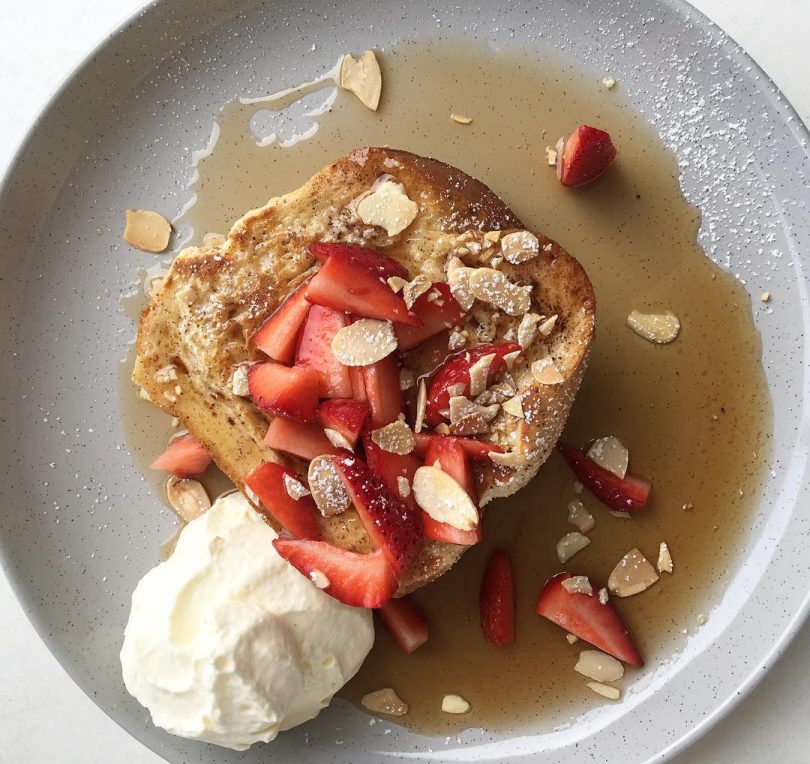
(44, 717)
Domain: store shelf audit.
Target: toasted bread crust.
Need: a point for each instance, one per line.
(213, 300)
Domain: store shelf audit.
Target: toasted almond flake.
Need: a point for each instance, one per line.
(388, 207)
(403, 487)
(578, 585)
(295, 488)
(632, 574)
(326, 486)
(514, 406)
(175, 423)
(664, 559)
(765, 297)
(396, 283)
(499, 393)
(527, 329)
(479, 372)
(600, 666)
(319, 578)
(406, 379)
(166, 374)
(442, 429)
(579, 516)
(444, 499)
(605, 690)
(619, 514)
(187, 498)
(551, 156)
(144, 395)
(510, 358)
(545, 372)
(385, 701)
(608, 452)
(147, 230)
(455, 704)
(457, 339)
(415, 288)
(458, 277)
(337, 439)
(493, 287)
(239, 381)
(364, 342)
(547, 327)
(396, 438)
(492, 236)
(170, 397)
(609, 83)
(421, 403)
(457, 389)
(572, 639)
(509, 459)
(468, 418)
(660, 328)
(570, 544)
(362, 76)
(461, 119)
(519, 247)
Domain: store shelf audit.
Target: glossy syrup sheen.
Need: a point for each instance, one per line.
(695, 414)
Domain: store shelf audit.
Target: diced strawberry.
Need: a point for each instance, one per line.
(358, 383)
(405, 622)
(284, 391)
(299, 439)
(587, 153)
(477, 450)
(347, 283)
(315, 352)
(295, 515)
(344, 415)
(629, 494)
(456, 370)
(497, 600)
(586, 617)
(360, 580)
(277, 335)
(382, 388)
(184, 457)
(436, 314)
(389, 467)
(391, 526)
(368, 258)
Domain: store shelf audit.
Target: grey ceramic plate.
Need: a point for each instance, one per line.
(80, 526)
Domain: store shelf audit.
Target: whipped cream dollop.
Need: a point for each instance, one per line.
(228, 643)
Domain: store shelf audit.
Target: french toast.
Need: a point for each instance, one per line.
(202, 321)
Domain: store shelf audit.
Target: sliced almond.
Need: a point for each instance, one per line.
(406, 379)
(510, 358)
(600, 666)
(551, 156)
(295, 488)
(570, 544)
(545, 372)
(166, 374)
(455, 704)
(461, 119)
(603, 596)
(385, 701)
(364, 342)
(520, 246)
(632, 574)
(458, 277)
(509, 459)
(609, 83)
(362, 76)
(547, 326)
(326, 486)
(457, 389)
(514, 406)
(499, 393)
(609, 453)
(457, 340)
(572, 639)
(479, 373)
(147, 230)
(396, 438)
(319, 578)
(664, 559)
(660, 328)
(396, 283)
(187, 498)
(421, 405)
(337, 439)
(578, 585)
(468, 418)
(444, 499)
(388, 207)
(579, 516)
(493, 287)
(414, 289)
(527, 329)
(239, 381)
(492, 236)
(620, 515)
(403, 487)
(605, 690)
(144, 395)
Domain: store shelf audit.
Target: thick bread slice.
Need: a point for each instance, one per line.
(214, 298)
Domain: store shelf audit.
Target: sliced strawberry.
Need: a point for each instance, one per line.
(586, 617)
(497, 600)
(477, 450)
(391, 526)
(277, 335)
(315, 352)
(382, 388)
(360, 580)
(588, 152)
(629, 494)
(368, 258)
(437, 314)
(295, 515)
(405, 622)
(344, 415)
(446, 533)
(299, 439)
(358, 383)
(456, 370)
(284, 391)
(347, 283)
(389, 467)
(184, 457)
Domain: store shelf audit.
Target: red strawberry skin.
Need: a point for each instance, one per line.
(278, 334)
(629, 494)
(284, 391)
(586, 617)
(405, 622)
(389, 467)
(437, 315)
(588, 152)
(477, 450)
(184, 457)
(360, 580)
(358, 383)
(497, 600)
(315, 352)
(298, 516)
(382, 390)
(391, 526)
(344, 415)
(299, 439)
(368, 258)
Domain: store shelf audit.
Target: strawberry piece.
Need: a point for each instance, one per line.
(586, 617)
(456, 370)
(445, 532)
(346, 282)
(497, 600)
(389, 467)
(360, 580)
(588, 152)
(315, 352)
(277, 335)
(344, 415)
(299, 439)
(368, 258)
(358, 383)
(382, 388)
(405, 622)
(284, 391)
(436, 314)
(477, 450)
(391, 526)
(298, 516)
(629, 494)
(184, 457)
